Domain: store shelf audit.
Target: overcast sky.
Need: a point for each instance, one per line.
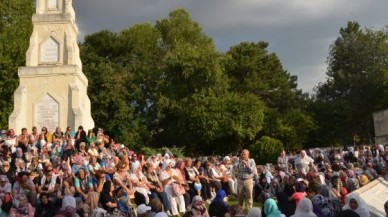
(298, 31)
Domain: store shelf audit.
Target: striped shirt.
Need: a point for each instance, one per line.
(246, 172)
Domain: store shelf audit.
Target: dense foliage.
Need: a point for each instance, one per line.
(15, 31)
(355, 88)
(181, 92)
(266, 149)
(165, 85)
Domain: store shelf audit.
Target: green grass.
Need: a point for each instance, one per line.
(233, 201)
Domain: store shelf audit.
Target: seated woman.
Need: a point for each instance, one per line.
(46, 208)
(198, 207)
(24, 188)
(82, 150)
(139, 181)
(214, 183)
(48, 183)
(221, 177)
(181, 179)
(218, 207)
(192, 178)
(357, 205)
(99, 179)
(205, 181)
(83, 185)
(107, 199)
(64, 169)
(23, 208)
(93, 166)
(156, 186)
(167, 175)
(271, 208)
(93, 152)
(122, 181)
(67, 189)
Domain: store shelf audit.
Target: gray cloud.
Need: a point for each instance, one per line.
(298, 31)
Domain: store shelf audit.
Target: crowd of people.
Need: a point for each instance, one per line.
(74, 173)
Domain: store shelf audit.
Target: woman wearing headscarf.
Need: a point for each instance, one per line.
(304, 209)
(181, 178)
(23, 208)
(339, 190)
(139, 181)
(363, 179)
(218, 207)
(304, 161)
(357, 205)
(168, 177)
(299, 194)
(271, 208)
(323, 206)
(198, 208)
(10, 140)
(254, 212)
(275, 188)
(285, 206)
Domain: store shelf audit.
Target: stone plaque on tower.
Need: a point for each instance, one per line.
(49, 51)
(53, 89)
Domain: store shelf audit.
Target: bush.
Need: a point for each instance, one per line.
(266, 150)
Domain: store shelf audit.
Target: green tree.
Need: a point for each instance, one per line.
(226, 123)
(252, 69)
(109, 91)
(190, 68)
(15, 31)
(356, 84)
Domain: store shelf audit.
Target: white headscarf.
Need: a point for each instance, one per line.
(134, 166)
(254, 212)
(362, 209)
(304, 209)
(68, 201)
(166, 163)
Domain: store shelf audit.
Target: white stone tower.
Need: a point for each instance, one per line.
(53, 89)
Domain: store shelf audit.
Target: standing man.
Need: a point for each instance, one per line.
(246, 171)
(283, 161)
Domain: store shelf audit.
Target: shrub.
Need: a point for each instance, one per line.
(266, 150)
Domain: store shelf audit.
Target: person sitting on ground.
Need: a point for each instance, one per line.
(198, 208)
(254, 212)
(304, 209)
(45, 208)
(218, 207)
(24, 187)
(357, 205)
(23, 208)
(299, 194)
(107, 199)
(271, 208)
(5, 186)
(143, 210)
(48, 183)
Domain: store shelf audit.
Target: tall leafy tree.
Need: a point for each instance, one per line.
(356, 84)
(109, 91)
(252, 69)
(15, 31)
